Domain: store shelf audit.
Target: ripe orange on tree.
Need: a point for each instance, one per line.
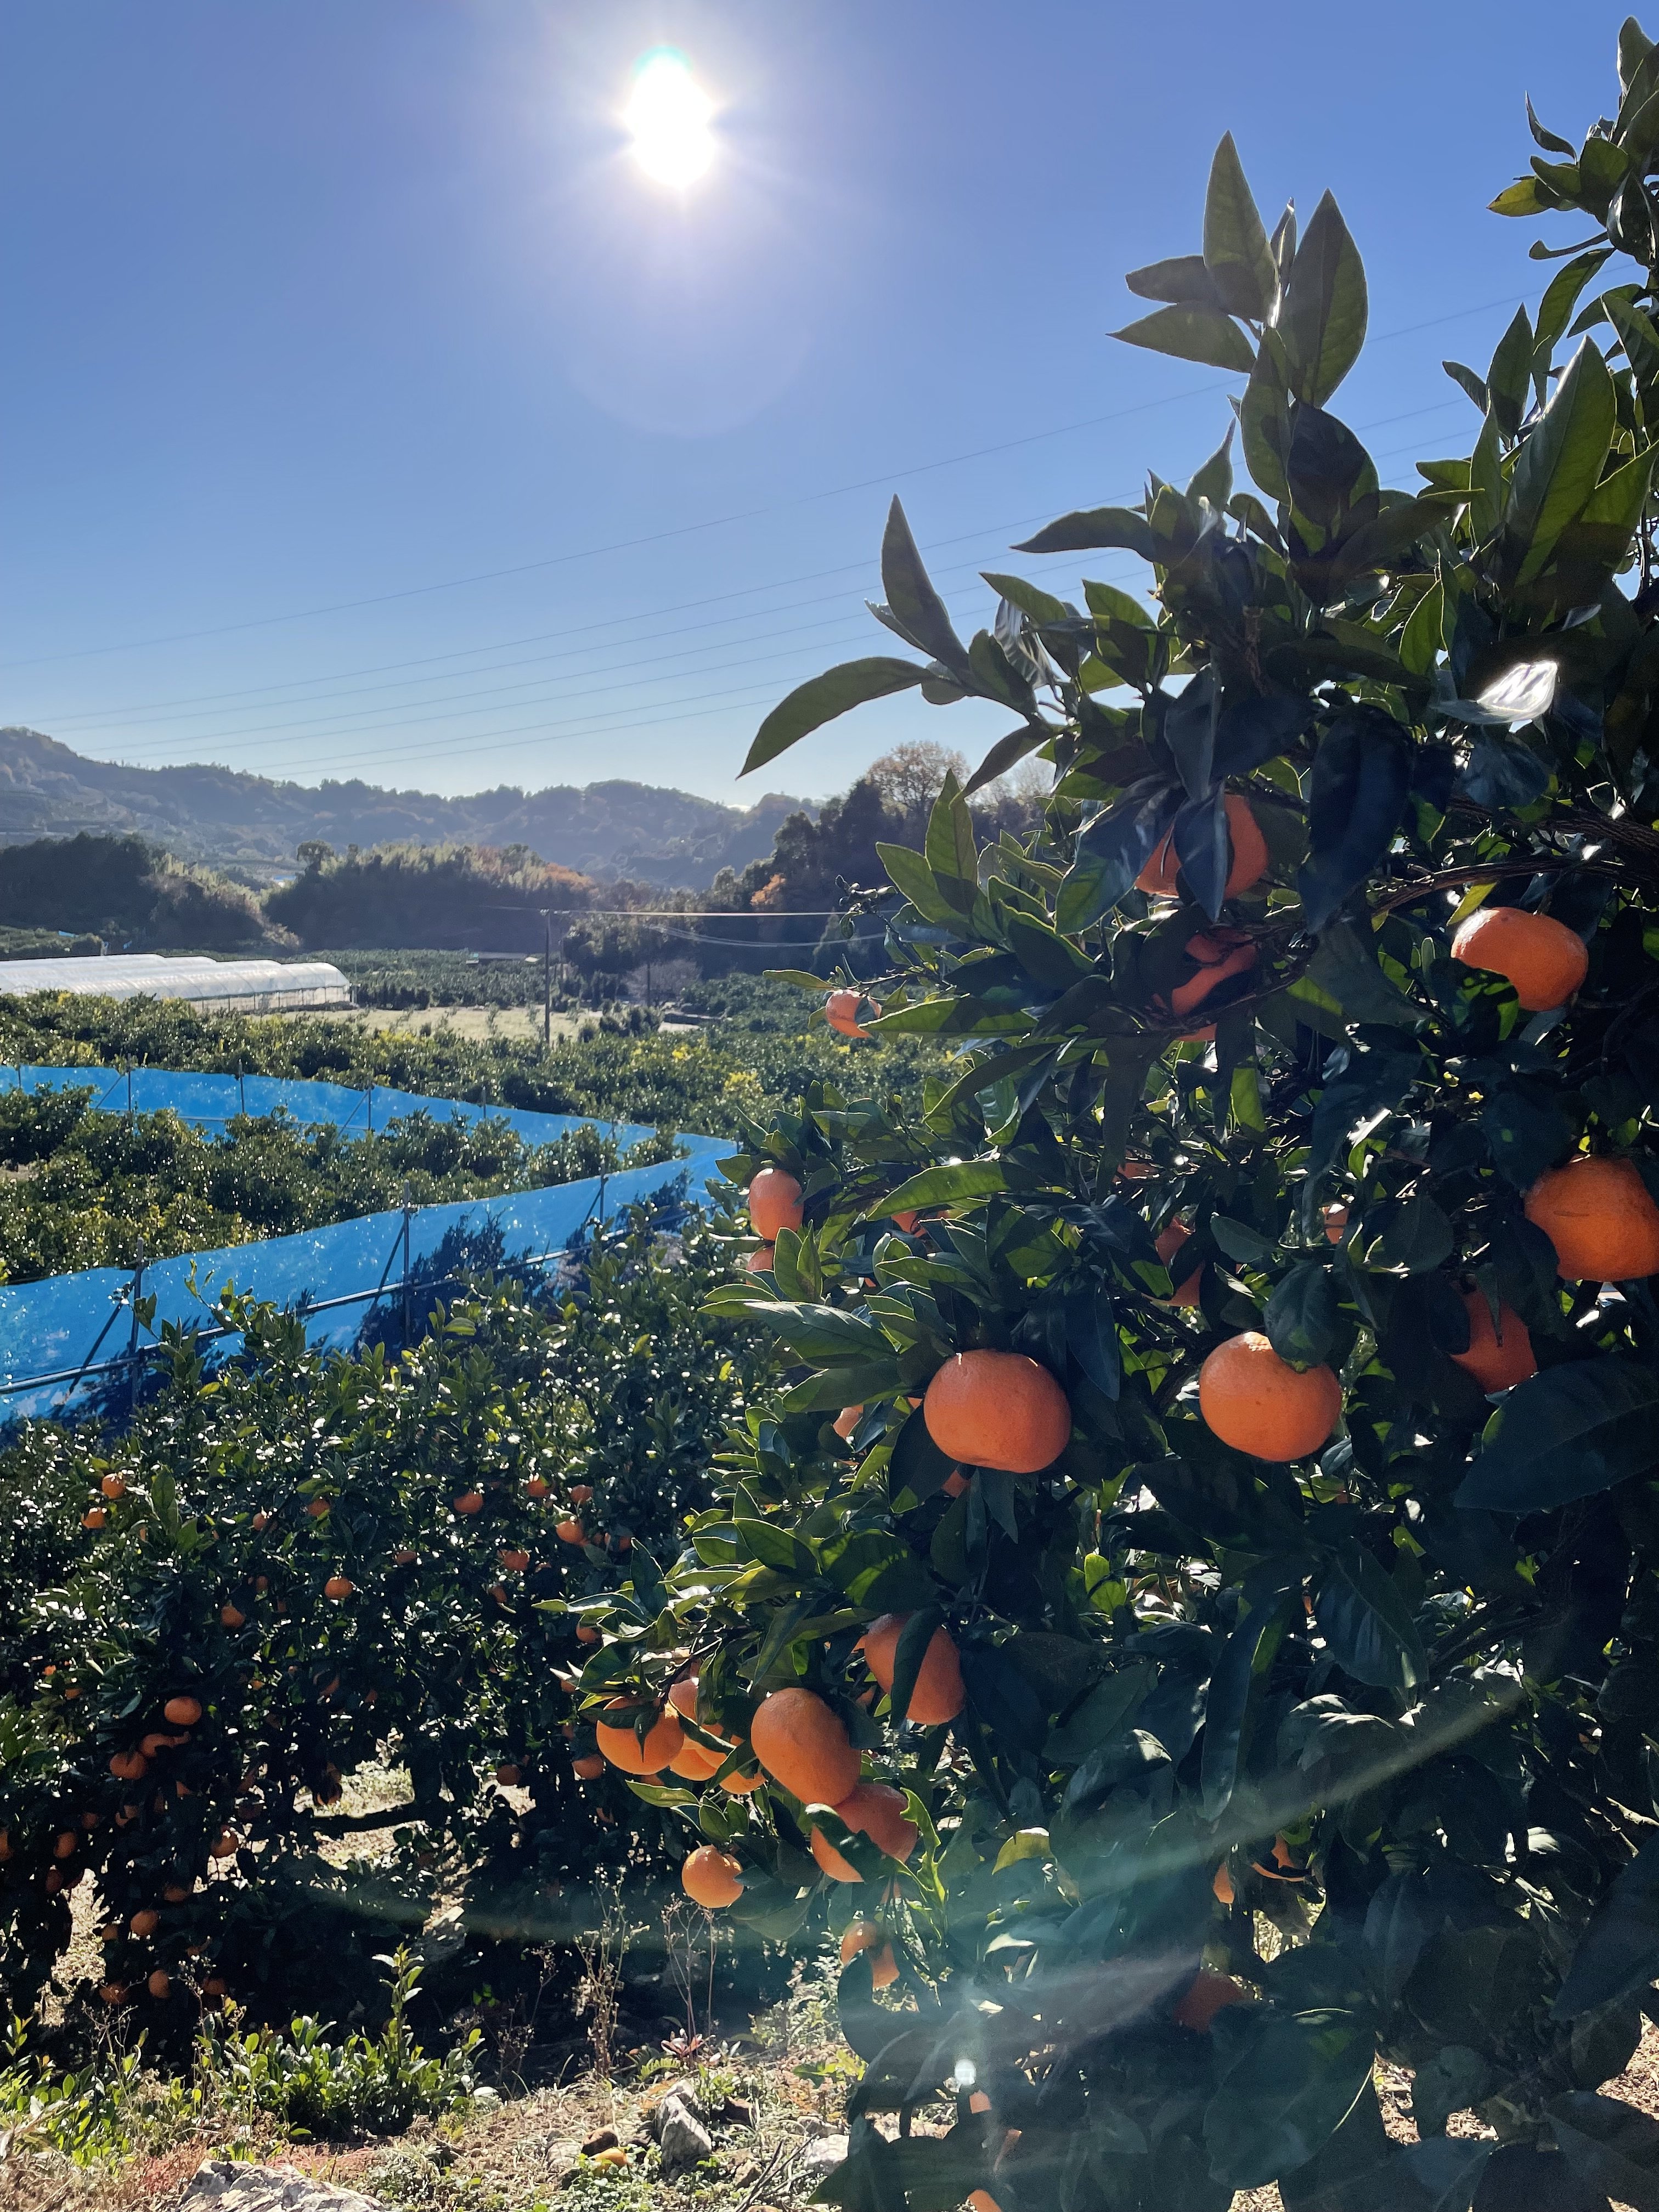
(1496, 1357)
(840, 1011)
(1600, 1217)
(1168, 1243)
(114, 1485)
(847, 1421)
(1219, 955)
(93, 1517)
(1247, 864)
(1260, 1404)
(712, 1878)
(775, 1203)
(514, 1562)
(159, 1983)
(470, 1501)
(865, 1935)
(319, 1508)
(997, 1409)
(232, 1616)
(875, 1810)
(183, 1710)
(581, 1493)
(802, 1743)
(938, 1694)
(338, 1586)
(623, 1747)
(760, 1261)
(589, 1766)
(1205, 1995)
(569, 1532)
(1544, 959)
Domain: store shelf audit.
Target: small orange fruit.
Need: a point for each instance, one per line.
(470, 1501)
(404, 1558)
(581, 1493)
(114, 1485)
(1497, 1359)
(319, 1508)
(773, 1203)
(1169, 1242)
(65, 1844)
(981, 2200)
(514, 1562)
(182, 1712)
(1544, 959)
(1599, 1217)
(1220, 954)
(261, 1520)
(840, 1011)
(712, 1878)
(145, 1923)
(590, 1765)
(743, 1785)
(954, 1483)
(997, 1409)
(1161, 875)
(1223, 1886)
(1335, 1219)
(905, 1222)
(537, 1488)
(338, 1586)
(622, 1747)
(1207, 1993)
(847, 1421)
(569, 1532)
(585, 1634)
(129, 1766)
(1260, 1404)
(508, 1776)
(762, 1260)
(874, 1810)
(93, 1517)
(697, 1762)
(232, 1616)
(113, 1993)
(938, 1694)
(175, 1893)
(801, 1743)
(159, 1983)
(865, 1935)
(227, 1843)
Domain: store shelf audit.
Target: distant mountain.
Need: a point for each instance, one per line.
(228, 818)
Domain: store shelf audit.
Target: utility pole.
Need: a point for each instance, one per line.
(547, 980)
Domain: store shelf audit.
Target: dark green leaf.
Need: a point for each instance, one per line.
(911, 1650)
(1301, 1320)
(1509, 375)
(1321, 318)
(1293, 2082)
(1092, 529)
(1236, 250)
(955, 1183)
(1229, 1691)
(1190, 334)
(1618, 1953)
(812, 704)
(1001, 1697)
(1006, 753)
(1504, 771)
(1547, 139)
(1609, 2147)
(1560, 462)
(1113, 849)
(1189, 730)
(775, 1547)
(1091, 1338)
(1214, 481)
(1364, 1619)
(1567, 1433)
(1183, 280)
(911, 597)
(1357, 792)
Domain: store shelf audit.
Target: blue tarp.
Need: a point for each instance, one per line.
(66, 1343)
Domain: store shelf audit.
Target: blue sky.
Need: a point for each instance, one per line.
(314, 307)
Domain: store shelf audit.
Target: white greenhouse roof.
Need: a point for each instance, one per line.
(258, 987)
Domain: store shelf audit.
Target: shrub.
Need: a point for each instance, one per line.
(1262, 1770)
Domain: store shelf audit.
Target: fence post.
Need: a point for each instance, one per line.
(408, 1210)
(241, 1093)
(132, 1336)
(128, 1094)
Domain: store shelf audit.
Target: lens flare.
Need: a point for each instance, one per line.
(668, 117)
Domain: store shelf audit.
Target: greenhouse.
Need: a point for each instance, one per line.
(247, 986)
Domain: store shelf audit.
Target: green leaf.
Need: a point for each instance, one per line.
(1510, 374)
(1567, 1432)
(1292, 2084)
(820, 1333)
(1323, 316)
(1006, 753)
(1560, 464)
(1032, 599)
(957, 1183)
(810, 705)
(1190, 334)
(1214, 481)
(1618, 1953)
(1301, 1316)
(948, 847)
(909, 1653)
(1555, 308)
(1090, 530)
(1183, 280)
(911, 599)
(1527, 196)
(1610, 2148)
(1344, 969)
(1357, 792)
(1230, 1696)
(775, 1547)
(1364, 1620)
(1237, 254)
(910, 874)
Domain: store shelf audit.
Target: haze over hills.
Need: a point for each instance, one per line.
(228, 817)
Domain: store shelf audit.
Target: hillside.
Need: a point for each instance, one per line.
(225, 817)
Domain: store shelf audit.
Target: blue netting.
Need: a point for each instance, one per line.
(68, 1343)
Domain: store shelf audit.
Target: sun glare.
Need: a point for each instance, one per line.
(668, 116)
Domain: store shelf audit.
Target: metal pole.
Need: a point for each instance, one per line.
(547, 981)
(132, 1338)
(408, 1210)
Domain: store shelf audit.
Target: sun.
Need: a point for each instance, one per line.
(668, 117)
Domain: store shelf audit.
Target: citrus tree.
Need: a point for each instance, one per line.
(1188, 1601)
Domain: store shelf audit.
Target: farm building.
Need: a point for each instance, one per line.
(239, 987)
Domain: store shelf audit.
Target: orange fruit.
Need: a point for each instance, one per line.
(683, 1694)
(589, 1766)
(93, 1517)
(227, 1844)
(581, 1493)
(470, 1501)
(159, 1983)
(865, 1935)
(1335, 1219)
(63, 1844)
(1169, 1242)
(1249, 864)
(1207, 1993)
(938, 1695)
(697, 1762)
(873, 1810)
(1260, 1404)
(1599, 1217)
(906, 1222)
(1497, 1359)
(507, 1775)
(1223, 1886)
(773, 1203)
(319, 1510)
(954, 1483)
(622, 1747)
(585, 1634)
(1220, 954)
(847, 1421)
(712, 1878)
(743, 1785)
(145, 1923)
(113, 1993)
(175, 1893)
(231, 1616)
(840, 1011)
(514, 1562)
(182, 1712)
(537, 1488)
(997, 1409)
(802, 1744)
(129, 1766)
(338, 1586)
(569, 1532)
(981, 2200)
(760, 1262)
(114, 1485)
(1544, 959)
(214, 1986)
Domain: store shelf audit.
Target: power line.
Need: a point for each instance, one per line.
(716, 522)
